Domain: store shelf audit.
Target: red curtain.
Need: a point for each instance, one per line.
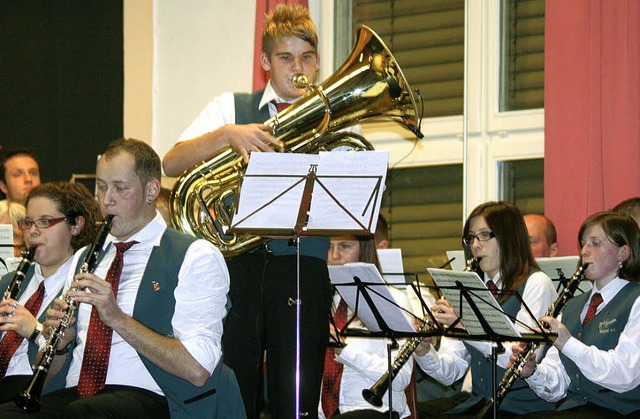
(592, 110)
(260, 77)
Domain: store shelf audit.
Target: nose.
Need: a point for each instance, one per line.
(297, 64)
(334, 255)
(28, 178)
(584, 251)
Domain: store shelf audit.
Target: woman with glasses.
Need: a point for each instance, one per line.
(593, 368)
(496, 234)
(61, 218)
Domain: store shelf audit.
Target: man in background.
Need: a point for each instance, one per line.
(630, 207)
(542, 235)
(19, 173)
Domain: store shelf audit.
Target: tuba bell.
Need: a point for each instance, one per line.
(368, 85)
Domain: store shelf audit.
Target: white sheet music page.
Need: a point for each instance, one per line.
(356, 180)
(264, 199)
(448, 282)
(390, 261)
(386, 301)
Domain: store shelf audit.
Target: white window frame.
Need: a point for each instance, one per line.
(492, 136)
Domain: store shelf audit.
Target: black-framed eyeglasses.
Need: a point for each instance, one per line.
(40, 222)
(482, 236)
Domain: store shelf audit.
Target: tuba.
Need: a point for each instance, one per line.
(368, 85)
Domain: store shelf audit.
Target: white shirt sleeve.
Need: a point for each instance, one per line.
(448, 364)
(201, 297)
(220, 111)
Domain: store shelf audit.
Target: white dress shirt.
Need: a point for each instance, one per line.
(451, 361)
(365, 360)
(617, 369)
(201, 295)
(19, 364)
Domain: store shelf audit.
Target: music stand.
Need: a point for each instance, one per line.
(383, 309)
(483, 317)
(294, 195)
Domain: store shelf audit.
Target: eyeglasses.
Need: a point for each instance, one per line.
(40, 222)
(482, 236)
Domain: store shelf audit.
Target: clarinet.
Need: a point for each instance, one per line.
(513, 372)
(14, 287)
(29, 399)
(374, 394)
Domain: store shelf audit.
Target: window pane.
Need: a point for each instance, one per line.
(423, 207)
(522, 64)
(523, 184)
(427, 39)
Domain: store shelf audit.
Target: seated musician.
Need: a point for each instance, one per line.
(61, 218)
(358, 364)
(593, 368)
(147, 339)
(496, 234)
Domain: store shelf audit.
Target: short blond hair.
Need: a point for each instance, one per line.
(288, 21)
(12, 211)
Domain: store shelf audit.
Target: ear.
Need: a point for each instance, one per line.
(624, 253)
(553, 250)
(382, 244)
(264, 61)
(3, 187)
(78, 226)
(152, 191)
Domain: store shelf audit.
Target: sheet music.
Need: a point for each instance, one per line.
(6, 240)
(568, 265)
(386, 301)
(361, 192)
(272, 188)
(391, 265)
(289, 168)
(448, 281)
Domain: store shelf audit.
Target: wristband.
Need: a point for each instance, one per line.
(36, 332)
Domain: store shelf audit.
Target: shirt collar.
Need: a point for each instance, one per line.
(496, 280)
(269, 94)
(148, 236)
(610, 290)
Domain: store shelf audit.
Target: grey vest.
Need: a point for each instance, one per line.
(247, 112)
(604, 332)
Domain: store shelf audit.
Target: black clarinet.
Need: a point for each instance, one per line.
(14, 287)
(29, 399)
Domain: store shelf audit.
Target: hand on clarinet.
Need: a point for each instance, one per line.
(55, 314)
(555, 326)
(425, 341)
(16, 317)
(91, 289)
(529, 366)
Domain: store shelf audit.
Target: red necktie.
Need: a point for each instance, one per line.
(333, 369)
(95, 360)
(596, 299)
(11, 341)
(493, 288)
(281, 106)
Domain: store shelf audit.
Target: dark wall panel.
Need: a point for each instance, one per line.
(61, 81)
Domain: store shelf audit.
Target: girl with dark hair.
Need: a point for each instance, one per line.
(496, 234)
(61, 218)
(594, 364)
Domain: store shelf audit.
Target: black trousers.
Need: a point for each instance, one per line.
(111, 402)
(13, 385)
(262, 318)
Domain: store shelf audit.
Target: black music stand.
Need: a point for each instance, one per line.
(372, 300)
(483, 317)
(295, 195)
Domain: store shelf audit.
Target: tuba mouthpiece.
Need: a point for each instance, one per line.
(300, 81)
